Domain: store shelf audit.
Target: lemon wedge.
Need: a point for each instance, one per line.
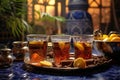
(36, 42)
(79, 46)
(79, 62)
(33, 42)
(61, 44)
(107, 39)
(105, 36)
(88, 44)
(35, 57)
(115, 39)
(46, 63)
(112, 36)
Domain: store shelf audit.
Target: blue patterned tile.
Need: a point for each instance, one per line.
(19, 74)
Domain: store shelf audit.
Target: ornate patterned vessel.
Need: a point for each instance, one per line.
(78, 19)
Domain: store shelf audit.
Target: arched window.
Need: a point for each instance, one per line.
(100, 10)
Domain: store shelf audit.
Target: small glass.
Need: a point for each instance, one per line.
(6, 58)
(83, 46)
(19, 50)
(37, 44)
(61, 47)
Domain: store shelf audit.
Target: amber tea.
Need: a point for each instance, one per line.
(37, 50)
(83, 46)
(83, 49)
(37, 47)
(61, 47)
(61, 51)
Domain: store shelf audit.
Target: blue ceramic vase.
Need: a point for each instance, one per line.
(79, 21)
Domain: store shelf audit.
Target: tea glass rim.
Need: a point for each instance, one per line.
(37, 36)
(60, 35)
(82, 36)
(59, 38)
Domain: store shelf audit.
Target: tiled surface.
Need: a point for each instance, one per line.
(17, 73)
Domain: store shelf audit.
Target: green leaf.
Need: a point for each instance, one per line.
(28, 27)
(59, 18)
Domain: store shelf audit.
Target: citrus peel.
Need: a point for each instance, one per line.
(36, 42)
(79, 46)
(79, 62)
(115, 39)
(61, 44)
(45, 63)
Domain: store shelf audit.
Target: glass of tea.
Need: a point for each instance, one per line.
(61, 47)
(83, 46)
(37, 44)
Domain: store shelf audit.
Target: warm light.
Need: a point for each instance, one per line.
(59, 8)
(98, 12)
(29, 11)
(51, 10)
(39, 1)
(67, 10)
(52, 2)
(37, 8)
(48, 8)
(94, 3)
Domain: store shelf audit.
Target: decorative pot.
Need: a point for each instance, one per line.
(79, 21)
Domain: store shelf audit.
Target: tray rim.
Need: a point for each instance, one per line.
(67, 71)
(69, 68)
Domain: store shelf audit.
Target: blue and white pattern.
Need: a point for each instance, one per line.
(79, 21)
(112, 73)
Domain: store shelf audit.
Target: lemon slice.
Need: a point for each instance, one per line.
(107, 39)
(115, 39)
(36, 42)
(105, 36)
(46, 63)
(79, 46)
(35, 57)
(61, 44)
(88, 44)
(112, 36)
(79, 62)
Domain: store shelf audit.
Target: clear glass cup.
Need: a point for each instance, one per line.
(19, 50)
(61, 47)
(37, 44)
(83, 46)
